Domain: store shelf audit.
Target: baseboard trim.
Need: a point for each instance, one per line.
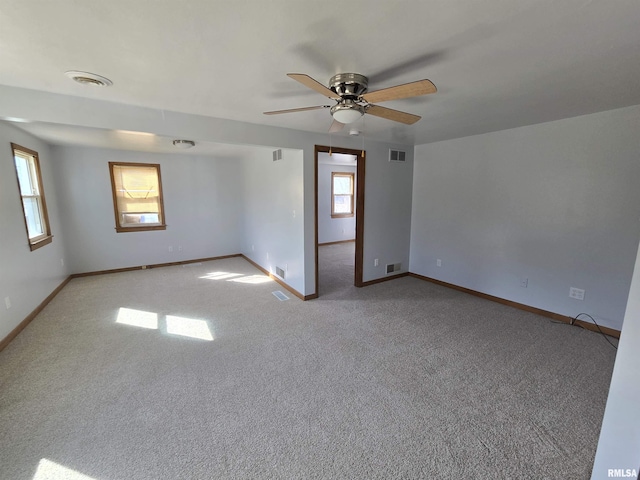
(384, 279)
(336, 242)
(521, 306)
(155, 265)
(278, 280)
(21, 326)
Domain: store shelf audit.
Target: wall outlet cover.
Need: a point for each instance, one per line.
(577, 293)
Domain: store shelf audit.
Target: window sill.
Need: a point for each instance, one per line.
(140, 229)
(41, 243)
(342, 215)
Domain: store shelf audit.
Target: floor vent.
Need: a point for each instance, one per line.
(277, 155)
(280, 272)
(394, 267)
(397, 156)
(280, 296)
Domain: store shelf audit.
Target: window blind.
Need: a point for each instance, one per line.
(136, 190)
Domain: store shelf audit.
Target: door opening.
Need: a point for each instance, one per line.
(341, 206)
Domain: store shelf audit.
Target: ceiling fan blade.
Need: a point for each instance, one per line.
(336, 126)
(309, 82)
(390, 114)
(413, 89)
(291, 110)
(410, 65)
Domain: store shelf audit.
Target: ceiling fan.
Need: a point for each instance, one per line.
(349, 90)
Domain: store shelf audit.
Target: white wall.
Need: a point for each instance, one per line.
(557, 203)
(273, 214)
(332, 229)
(388, 186)
(387, 212)
(26, 277)
(619, 445)
(202, 201)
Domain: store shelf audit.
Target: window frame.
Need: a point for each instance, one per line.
(46, 238)
(352, 176)
(142, 228)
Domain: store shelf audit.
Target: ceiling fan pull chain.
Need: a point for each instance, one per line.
(364, 131)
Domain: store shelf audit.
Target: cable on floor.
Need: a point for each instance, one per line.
(573, 322)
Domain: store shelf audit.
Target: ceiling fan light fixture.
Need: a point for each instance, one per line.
(347, 112)
(184, 144)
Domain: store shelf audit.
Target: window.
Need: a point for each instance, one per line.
(137, 196)
(34, 206)
(342, 194)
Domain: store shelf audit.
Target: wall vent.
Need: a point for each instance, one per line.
(397, 156)
(280, 272)
(394, 267)
(277, 155)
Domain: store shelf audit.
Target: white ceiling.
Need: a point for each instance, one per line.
(497, 64)
(59, 134)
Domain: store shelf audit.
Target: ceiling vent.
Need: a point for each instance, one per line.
(86, 78)
(397, 156)
(277, 155)
(184, 144)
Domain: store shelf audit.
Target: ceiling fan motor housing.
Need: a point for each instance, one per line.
(349, 85)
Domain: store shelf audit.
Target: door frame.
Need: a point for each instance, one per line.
(361, 156)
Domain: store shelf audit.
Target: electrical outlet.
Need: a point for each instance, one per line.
(7, 302)
(253, 248)
(524, 282)
(62, 262)
(179, 248)
(576, 293)
(375, 262)
(170, 249)
(438, 263)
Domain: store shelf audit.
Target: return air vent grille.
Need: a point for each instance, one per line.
(394, 267)
(277, 155)
(280, 272)
(397, 156)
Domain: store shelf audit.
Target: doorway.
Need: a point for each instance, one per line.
(360, 159)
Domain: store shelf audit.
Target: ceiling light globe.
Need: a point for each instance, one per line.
(347, 112)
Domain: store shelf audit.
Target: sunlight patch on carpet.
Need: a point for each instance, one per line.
(220, 275)
(48, 470)
(137, 318)
(253, 279)
(188, 327)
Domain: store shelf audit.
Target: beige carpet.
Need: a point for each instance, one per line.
(220, 379)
